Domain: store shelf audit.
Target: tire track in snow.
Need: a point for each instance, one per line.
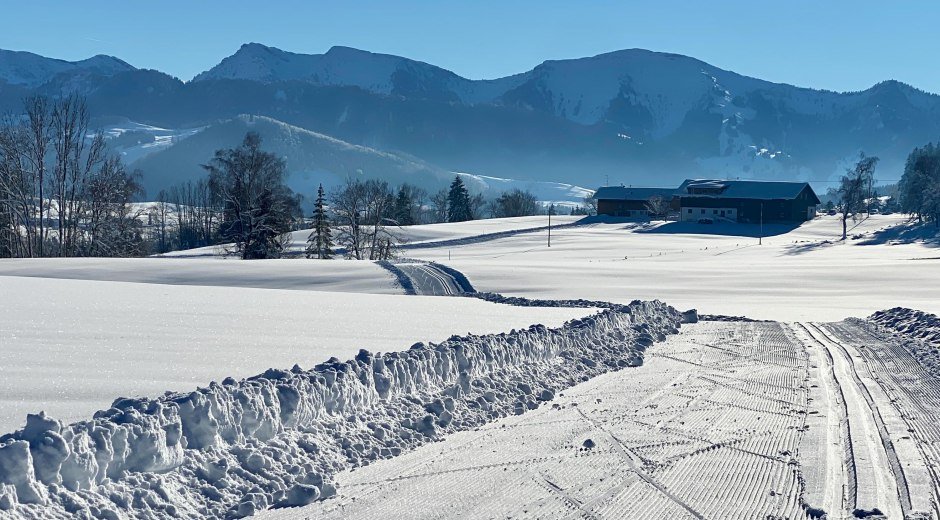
(840, 470)
(869, 448)
(903, 492)
(912, 394)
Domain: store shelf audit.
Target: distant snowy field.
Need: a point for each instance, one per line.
(70, 347)
(794, 275)
(420, 234)
(146, 140)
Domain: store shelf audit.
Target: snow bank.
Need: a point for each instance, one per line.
(910, 322)
(689, 316)
(278, 438)
(918, 331)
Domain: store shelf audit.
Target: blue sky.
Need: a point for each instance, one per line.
(821, 44)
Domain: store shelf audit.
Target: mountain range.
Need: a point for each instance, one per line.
(632, 116)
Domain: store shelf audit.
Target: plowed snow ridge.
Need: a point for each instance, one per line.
(278, 438)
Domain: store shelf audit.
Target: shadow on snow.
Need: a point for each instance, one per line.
(925, 234)
(723, 229)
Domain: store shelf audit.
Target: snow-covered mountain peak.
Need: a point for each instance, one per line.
(665, 85)
(33, 70)
(340, 66)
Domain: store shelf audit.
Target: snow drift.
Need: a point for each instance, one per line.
(278, 438)
(910, 322)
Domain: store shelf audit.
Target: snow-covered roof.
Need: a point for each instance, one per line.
(625, 193)
(735, 189)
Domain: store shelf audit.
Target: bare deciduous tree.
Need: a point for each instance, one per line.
(366, 226)
(58, 187)
(439, 206)
(657, 207)
(515, 203)
(853, 189)
(590, 205)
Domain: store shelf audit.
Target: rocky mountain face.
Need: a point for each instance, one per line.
(633, 116)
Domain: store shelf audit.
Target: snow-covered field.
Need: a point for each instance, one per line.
(70, 347)
(736, 419)
(421, 234)
(339, 276)
(793, 275)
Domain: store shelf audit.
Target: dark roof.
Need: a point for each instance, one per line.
(624, 193)
(733, 189)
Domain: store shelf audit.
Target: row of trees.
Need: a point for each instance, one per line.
(918, 189)
(61, 192)
(185, 216)
(366, 216)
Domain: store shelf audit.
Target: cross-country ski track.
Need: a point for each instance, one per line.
(724, 420)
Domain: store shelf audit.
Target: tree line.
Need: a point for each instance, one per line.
(918, 191)
(919, 187)
(62, 193)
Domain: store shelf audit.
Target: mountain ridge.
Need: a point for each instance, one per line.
(633, 115)
(33, 70)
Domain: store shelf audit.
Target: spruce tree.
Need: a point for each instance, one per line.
(458, 202)
(320, 241)
(403, 204)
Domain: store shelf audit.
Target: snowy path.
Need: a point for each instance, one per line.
(907, 400)
(725, 420)
(873, 480)
(429, 280)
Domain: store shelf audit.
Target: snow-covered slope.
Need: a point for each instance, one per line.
(33, 70)
(135, 140)
(311, 157)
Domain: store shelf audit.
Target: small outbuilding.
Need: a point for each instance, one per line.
(622, 201)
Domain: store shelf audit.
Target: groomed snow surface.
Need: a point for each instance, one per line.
(725, 420)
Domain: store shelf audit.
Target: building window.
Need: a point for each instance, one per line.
(703, 212)
(690, 211)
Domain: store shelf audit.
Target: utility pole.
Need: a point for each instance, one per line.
(551, 208)
(760, 238)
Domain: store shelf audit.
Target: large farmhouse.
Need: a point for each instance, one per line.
(728, 200)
